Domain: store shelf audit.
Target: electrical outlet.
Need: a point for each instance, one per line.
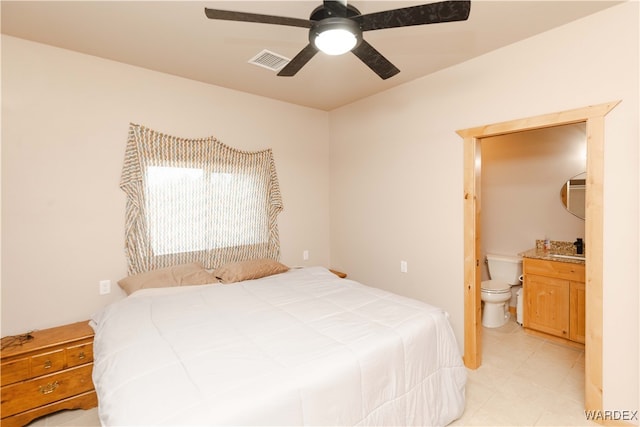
(105, 287)
(305, 255)
(403, 266)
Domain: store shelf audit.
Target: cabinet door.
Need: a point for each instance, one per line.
(577, 314)
(547, 305)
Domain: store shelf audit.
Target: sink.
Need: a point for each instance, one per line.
(580, 257)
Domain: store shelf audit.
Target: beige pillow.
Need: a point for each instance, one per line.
(247, 270)
(177, 275)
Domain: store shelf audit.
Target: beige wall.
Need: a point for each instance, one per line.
(65, 119)
(396, 170)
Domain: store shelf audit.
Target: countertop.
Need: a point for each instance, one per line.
(546, 254)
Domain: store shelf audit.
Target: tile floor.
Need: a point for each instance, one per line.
(524, 381)
(78, 417)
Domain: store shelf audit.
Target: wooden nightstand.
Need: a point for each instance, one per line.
(50, 372)
(340, 274)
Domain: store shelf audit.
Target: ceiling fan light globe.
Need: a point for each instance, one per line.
(335, 36)
(335, 41)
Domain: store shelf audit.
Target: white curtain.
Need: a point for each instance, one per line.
(197, 200)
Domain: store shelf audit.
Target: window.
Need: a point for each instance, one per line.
(182, 202)
(197, 200)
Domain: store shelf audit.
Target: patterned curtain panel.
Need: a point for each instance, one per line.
(197, 200)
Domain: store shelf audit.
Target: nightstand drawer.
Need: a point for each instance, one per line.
(47, 363)
(80, 354)
(43, 390)
(15, 370)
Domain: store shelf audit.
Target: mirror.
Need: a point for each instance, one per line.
(573, 194)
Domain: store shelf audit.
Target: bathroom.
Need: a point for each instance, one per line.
(522, 179)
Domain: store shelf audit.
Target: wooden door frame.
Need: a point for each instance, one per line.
(593, 116)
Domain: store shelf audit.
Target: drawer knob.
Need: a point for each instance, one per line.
(49, 388)
(81, 355)
(47, 364)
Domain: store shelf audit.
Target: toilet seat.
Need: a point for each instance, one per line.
(495, 287)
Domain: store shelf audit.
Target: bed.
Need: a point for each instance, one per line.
(302, 347)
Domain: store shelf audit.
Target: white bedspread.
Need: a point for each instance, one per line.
(298, 348)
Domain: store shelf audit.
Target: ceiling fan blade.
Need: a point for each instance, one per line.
(432, 13)
(228, 15)
(335, 8)
(298, 61)
(374, 60)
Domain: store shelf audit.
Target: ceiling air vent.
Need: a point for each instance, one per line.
(269, 60)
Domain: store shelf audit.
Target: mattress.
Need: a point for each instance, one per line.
(298, 348)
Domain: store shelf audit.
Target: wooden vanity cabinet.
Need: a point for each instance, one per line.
(554, 298)
(547, 305)
(577, 314)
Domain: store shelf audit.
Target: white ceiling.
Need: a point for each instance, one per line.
(175, 37)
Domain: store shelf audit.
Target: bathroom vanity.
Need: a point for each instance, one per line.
(554, 295)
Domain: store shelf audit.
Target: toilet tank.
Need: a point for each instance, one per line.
(505, 268)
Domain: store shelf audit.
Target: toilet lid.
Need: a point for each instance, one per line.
(495, 286)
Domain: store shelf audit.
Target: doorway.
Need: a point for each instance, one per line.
(523, 174)
(593, 117)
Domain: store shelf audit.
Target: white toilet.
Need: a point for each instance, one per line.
(505, 271)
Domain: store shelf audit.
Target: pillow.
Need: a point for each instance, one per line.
(247, 270)
(177, 275)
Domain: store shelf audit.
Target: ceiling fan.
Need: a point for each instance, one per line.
(336, 27)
